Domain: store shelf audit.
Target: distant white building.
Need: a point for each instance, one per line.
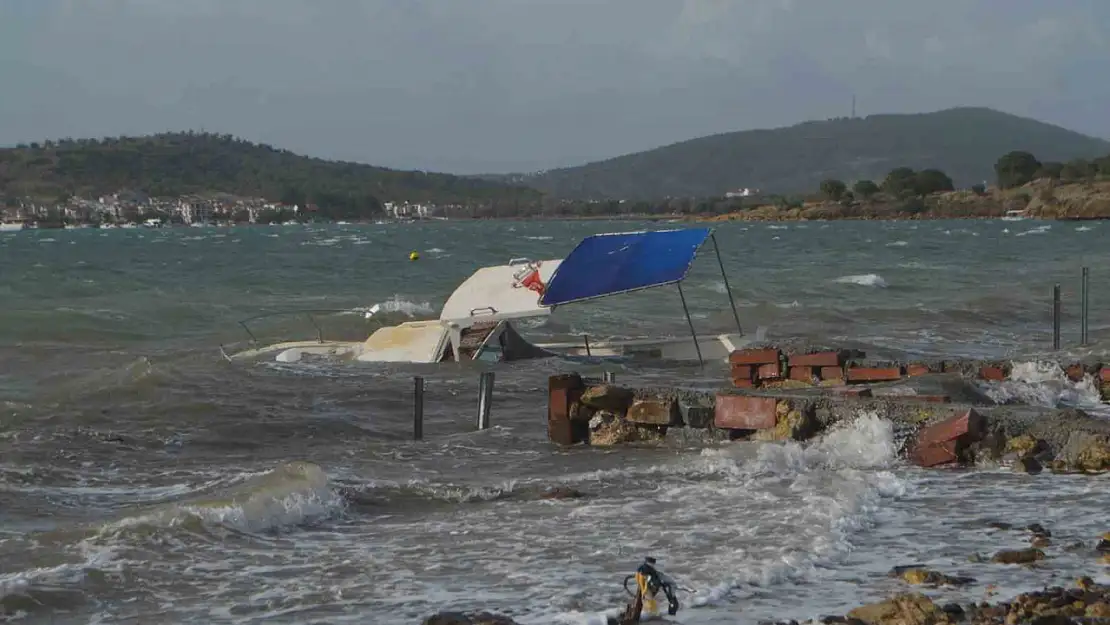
(744, 192)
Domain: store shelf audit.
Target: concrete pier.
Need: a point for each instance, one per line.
(938, 409)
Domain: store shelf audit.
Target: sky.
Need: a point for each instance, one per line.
(477, 86)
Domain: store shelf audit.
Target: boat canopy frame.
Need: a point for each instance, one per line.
(614, 263)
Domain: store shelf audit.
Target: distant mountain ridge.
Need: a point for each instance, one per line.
(963, 142)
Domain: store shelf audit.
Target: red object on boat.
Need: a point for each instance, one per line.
(530, 279)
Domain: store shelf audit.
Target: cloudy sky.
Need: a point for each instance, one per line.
(510, 85)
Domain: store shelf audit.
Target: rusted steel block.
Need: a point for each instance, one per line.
(818, 359)
(770, 371)
(742, 372)
(853, 392)
(802, 374)
(742, 383)
(992, 373)
(874, 374)
(967, 427)
(1104, 375)
(916, 369)
(563, 392)
(744, 412)
(654, 412)
(754, 356)
(832, 373)
(935, 455)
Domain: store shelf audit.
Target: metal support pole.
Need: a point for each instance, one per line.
(608, 377)
(418, 409)
(1083, 306)
(485, 399)
(728, 289)
(690, 322)
(1056, 317)
(586, 340)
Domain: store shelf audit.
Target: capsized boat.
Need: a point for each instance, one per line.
(476, 322)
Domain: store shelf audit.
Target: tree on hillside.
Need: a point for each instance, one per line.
(865, 189)
(1078, 169)
(1016, 168)
(900, 182)
(833, 189)
(1049, 171)
(928, 181)
(1102, 165)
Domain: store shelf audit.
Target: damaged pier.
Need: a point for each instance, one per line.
(939, 409)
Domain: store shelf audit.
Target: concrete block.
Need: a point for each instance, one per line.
(744, 412)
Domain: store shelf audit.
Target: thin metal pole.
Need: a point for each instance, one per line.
(485, 399)
(690, 322)
(1085, 299)
(586, 340)
(608, 377)
(418, 409)
(728, 289)
(1056, 317)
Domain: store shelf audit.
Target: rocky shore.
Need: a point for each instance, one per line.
(1040, 199)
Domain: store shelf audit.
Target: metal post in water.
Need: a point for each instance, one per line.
(586, 340)
(485, 399)
(689, 321)
(1085, 294)
(728, 289)
(1056, 317)
(418, 409)
(608, 377)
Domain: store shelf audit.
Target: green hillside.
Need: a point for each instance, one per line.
(181, 163)
(963, 142)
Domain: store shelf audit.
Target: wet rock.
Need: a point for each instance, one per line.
(1018, 556)
(562, 492)
(1103, 545)
(1098, 610)
(1028, 465)
(1038, 529)
(923, 576)
(1024, 445)
(1040, 542)
(654, 412)
(903, 609)
(793, 422)
(1000, 525)
(607, 429)
(607, 397)
(1085, 451)
(459, 618)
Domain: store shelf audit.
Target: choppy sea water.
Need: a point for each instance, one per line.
(145, 479)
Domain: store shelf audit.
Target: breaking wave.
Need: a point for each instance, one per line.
(1045, 384)
(866, 279)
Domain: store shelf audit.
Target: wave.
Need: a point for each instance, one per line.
(866, 279)
(396, 305)
(897, 244)
(1044, 384)
(292, 494)
(1037, 230)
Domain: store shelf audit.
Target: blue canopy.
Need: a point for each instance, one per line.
(608, 264)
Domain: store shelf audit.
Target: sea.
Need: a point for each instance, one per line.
(144, 478)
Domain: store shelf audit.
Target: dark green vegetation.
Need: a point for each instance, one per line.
(190, 163)
(963, 142)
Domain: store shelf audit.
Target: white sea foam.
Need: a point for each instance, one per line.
(867, 279)
(396, 304)
(1045, 384)
(897, 244)
(1038, 230)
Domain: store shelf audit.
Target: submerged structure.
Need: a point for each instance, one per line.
(476, 322)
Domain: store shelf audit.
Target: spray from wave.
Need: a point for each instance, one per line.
(1045, 384)
(866, 279)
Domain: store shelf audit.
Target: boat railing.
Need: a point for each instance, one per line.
(311, 314)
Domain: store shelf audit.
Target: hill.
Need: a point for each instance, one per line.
(198, 163)
(963, 142)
